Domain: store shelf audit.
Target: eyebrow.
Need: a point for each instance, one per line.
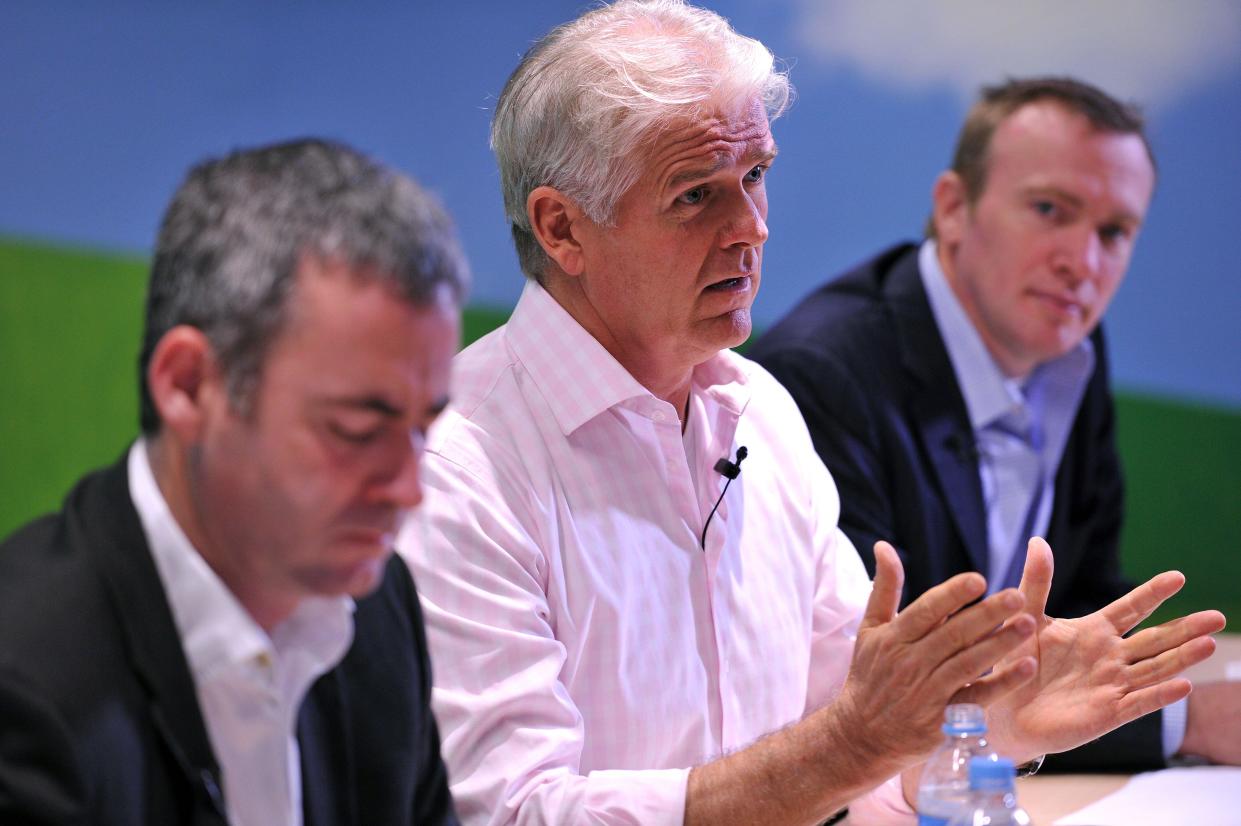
(722, 160)
(1056, 192)
(383, 407)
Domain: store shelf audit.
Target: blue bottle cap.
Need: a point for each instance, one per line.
(991, 774)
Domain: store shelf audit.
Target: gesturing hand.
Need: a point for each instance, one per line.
(906, 667)
(1091, 678)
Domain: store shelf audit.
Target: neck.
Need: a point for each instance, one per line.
(661, 372)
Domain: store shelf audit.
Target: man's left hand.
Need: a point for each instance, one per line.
(1091, 678)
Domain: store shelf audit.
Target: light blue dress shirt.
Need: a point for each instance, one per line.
(1048, 399)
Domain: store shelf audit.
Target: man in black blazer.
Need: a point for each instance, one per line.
(906, 367)
(214, 629)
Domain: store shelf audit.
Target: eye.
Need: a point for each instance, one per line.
(756, 174)
(1113, 234)
(1047, 209)
(693, 196)
(354, 434)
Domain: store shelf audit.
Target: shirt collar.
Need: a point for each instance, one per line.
(580, 379)
(216, 631)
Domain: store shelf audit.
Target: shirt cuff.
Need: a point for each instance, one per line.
(654, 796)
(1173, 723)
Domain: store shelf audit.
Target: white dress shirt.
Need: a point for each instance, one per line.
(250, 685)
(587, 651)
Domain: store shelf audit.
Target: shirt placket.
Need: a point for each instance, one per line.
(681, 489)
(718, 539)
(271, 752)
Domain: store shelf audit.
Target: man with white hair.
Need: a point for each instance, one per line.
(630, 624)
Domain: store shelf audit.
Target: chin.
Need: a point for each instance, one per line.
(738, 328)
(354, 579)
(367, 576)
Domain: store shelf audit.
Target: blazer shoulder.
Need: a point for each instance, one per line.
(848, 313)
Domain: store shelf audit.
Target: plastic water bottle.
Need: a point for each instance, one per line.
(945, 784)
(993, 800)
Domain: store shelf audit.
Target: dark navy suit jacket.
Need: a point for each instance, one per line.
(864, 359)
(99, 719)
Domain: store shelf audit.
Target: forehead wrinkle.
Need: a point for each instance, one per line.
(722, 146)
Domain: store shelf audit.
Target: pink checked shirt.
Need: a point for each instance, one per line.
(586, 651)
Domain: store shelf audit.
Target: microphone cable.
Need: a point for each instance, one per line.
(730, 471)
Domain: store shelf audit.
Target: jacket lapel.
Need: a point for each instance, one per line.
(937, 408)
(107, 526)
(323, 739)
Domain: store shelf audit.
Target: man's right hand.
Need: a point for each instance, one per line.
(908, 666)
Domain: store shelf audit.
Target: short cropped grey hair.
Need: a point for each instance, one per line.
(238, 227)
(595, 91)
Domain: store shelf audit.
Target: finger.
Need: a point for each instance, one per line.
(1152, 698)
(1151, 642)
(1003, 680)
(969, 664)
(928, 611)
(885, 592)
(969, 625)
(1169, 663)
(1137, 605)
(1036, 575)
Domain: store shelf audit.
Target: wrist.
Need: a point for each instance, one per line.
(844, 730)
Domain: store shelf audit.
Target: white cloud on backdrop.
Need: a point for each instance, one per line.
(1150, 51)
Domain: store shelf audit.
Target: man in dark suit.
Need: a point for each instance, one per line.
(958, 391)
(214, 629)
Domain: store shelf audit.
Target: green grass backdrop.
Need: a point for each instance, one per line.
(69, 328)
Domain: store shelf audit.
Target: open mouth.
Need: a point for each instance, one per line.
(741, 282)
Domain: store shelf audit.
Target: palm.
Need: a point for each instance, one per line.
(1091, 678)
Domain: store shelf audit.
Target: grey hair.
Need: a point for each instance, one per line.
(238, 227)
(593, 92)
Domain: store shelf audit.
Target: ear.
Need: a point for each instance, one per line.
(552, 215)
(185, 382)
(950, 207)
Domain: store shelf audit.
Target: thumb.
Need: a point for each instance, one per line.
(885, 594)
(1036, 576)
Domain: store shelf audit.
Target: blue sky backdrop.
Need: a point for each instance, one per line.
(105, 105)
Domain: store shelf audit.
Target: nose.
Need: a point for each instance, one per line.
(748, 225)
(402, 486)
(1080, 256)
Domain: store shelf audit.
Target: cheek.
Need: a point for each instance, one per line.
(292, 476)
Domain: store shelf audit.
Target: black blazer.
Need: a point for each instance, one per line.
(99, 720)
(864, 360)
